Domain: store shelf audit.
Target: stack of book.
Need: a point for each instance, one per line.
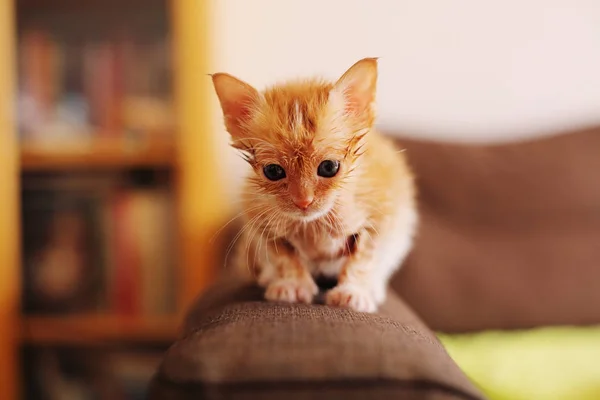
(97, 244)
(71, 89)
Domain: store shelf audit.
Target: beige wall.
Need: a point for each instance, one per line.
(471, 69)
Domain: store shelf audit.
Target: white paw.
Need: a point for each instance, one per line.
(351, 296)
(292, 290)
(379, 293)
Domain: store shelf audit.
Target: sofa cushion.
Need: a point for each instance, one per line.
(236, 346)
(509, 234)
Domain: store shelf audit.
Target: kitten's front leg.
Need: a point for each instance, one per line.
(357, 281)
(285, 276)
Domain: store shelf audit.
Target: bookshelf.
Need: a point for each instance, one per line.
(179, 152)
(99, 154)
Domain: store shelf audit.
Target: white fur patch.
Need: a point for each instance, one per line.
(394, 248)
(298, 117)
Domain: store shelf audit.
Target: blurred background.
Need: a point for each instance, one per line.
(115, 172)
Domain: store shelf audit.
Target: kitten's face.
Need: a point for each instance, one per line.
(299, 157)
(302, 139)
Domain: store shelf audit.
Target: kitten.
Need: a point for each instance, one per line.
(327, 194)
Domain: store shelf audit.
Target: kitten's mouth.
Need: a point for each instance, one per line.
(309, 215)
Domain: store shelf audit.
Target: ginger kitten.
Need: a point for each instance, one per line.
(328, 195)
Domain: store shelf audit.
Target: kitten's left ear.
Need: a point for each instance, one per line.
(357, 88)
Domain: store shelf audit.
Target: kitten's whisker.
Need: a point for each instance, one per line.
(265, 226)
(366, 232)
(263, 232)
(337, 222)
(272, 209)
(372, 227)
(304, 229)
(373, 207)
(241, 231)
(279, 220)
(235, 239)
(231, 220)
(249, 245)
(259, 240)
(253, 232)
(329, 222)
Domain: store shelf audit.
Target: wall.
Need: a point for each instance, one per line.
(457, 70)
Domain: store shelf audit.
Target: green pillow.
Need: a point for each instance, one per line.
(558, 363)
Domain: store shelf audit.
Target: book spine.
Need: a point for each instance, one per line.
(127, 258)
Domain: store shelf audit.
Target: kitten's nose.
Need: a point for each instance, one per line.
(303, 202)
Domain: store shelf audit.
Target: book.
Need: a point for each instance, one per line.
(62, 251)
(97, 244)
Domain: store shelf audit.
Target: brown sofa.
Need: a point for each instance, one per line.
(509, 238)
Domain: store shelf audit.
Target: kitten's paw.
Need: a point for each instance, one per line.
(292, 291)
(351, 296)
(379, 293)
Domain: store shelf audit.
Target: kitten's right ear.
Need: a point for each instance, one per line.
(237, 100)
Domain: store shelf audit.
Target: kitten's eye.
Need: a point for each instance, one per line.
(328, 168)
(274, 172)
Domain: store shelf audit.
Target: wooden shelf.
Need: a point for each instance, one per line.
(98, 154)
(98, 329)
(70, 5)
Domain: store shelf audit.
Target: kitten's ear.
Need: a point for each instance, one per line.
(237, 100)
(357, 87)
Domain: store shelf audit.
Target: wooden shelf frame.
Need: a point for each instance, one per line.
(201, 208)
(99, 154)
(9, 212)
(98, 329)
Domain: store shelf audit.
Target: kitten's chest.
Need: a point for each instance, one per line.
(319, 247)
(323, 246)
